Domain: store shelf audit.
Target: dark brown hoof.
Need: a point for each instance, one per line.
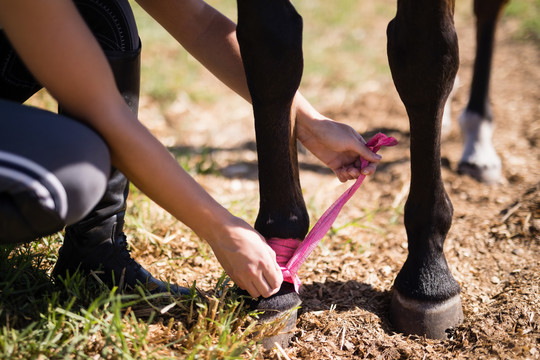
(280, 312)
(429, 318)
(285, 326)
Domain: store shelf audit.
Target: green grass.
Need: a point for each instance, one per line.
(80, 318)
(527, 12)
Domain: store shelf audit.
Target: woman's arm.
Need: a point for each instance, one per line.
(211, 38)
(61, 52)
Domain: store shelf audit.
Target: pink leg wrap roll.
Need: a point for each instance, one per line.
(291, 253)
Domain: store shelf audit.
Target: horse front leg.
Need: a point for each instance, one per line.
(270, 36)
(479, 158)
(423, 57)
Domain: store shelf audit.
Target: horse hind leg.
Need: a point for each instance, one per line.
(423, 58)
(479, 158)
(270, 36)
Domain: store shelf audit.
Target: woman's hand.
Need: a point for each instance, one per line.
(247, 259)
(336, 144)
(340, 147)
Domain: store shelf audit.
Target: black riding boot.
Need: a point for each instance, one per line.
(97, 242)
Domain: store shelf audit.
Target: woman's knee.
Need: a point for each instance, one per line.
(84, 172)
(35, 201)
(85, 181)
(53, 170)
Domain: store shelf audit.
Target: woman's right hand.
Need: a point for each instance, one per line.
(247, 259)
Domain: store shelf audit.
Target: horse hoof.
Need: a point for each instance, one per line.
(485, 174)
(282, 310)
(287, 326)
(429, 318)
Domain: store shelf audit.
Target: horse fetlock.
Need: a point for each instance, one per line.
(425, 276)
(427, 225)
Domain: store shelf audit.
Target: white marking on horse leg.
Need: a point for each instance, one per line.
(479, 158)
(447, 114)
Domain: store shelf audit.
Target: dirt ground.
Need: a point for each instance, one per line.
(493, 247)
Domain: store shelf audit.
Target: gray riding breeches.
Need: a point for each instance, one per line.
(54, 169)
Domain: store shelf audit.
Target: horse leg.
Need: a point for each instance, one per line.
(479, 158)
(423, 57)
(270, 36)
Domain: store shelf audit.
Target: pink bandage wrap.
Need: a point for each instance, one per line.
(291, 253)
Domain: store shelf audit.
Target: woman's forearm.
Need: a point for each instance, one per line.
(144, 160)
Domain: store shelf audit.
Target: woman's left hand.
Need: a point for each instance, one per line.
(338, 146)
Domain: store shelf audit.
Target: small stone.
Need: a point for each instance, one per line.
(518, 252)
(386, 270)
(347, 345)
(495, 280)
